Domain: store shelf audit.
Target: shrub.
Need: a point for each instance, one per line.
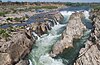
(4, 34)
(10, 19)
(45, 7)
(2, 13)
(17, 19)
(97, 7)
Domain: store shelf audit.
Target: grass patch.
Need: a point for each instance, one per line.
(2, 13)
(4, 34)
(96, 7)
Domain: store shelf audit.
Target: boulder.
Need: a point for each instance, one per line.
(45, 23)
(18, 47)
(40, 28)
(90, 55)
(22, 62)
(5, 59)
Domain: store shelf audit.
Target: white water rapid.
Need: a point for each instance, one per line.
(40, 50)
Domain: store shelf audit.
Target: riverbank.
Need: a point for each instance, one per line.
(20, 14)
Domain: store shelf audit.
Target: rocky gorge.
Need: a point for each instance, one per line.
(55, 38)
(62, 47)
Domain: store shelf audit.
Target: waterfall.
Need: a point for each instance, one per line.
(39, 54)
(87, 22)
(35, 35)
(52, 22)
(41, 48)
(57, 29)
(40, 51)
(66, 15)
(86, 13)
(55, 20)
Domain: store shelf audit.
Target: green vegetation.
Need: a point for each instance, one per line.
(44, 7)
(14, 29)
(4, 34)
(2, 13)
(76, 4)
(96, 7)
(10, 19)
(17, 19)
(11, 29)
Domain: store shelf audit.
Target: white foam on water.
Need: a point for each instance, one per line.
(44, 44)
(40, 54)
(86, 13)
(47, 60)
(57, 28)
(30, 62)
(47, 40)
(66, 13)
(35, 35)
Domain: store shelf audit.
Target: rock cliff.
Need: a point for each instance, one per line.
(90, 55)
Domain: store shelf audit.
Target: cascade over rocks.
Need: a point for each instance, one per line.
(40, 27)
(45, 23)
(74, 30)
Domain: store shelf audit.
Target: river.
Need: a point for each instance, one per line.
(39, 54)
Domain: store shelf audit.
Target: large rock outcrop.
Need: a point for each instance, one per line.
(90, 55)
(16, 48)
(41, 28)
(5, 59)
(74, 30)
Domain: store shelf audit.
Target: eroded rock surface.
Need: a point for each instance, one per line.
(46, 22)
(74, 30)
(90, 55)
(23, 62)
(16, 48)
(5, 59)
